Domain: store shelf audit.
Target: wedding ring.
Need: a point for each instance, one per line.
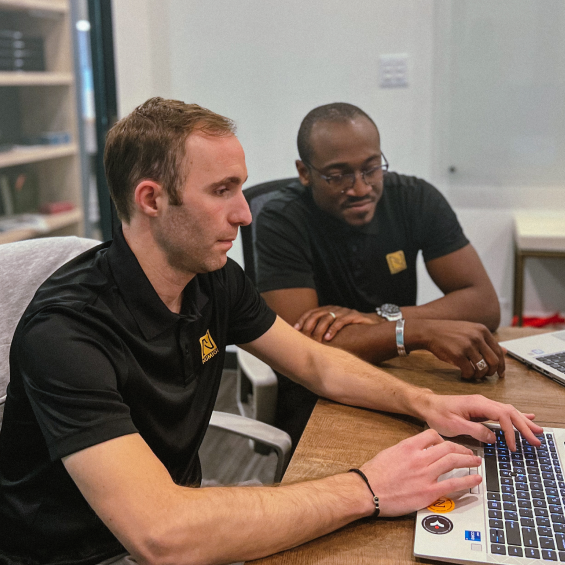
(481, 365)
(334, 317)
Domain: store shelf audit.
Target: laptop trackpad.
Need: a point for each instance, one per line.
(458, 473)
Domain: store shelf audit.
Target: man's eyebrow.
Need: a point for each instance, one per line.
(228, 180)
(348, 165)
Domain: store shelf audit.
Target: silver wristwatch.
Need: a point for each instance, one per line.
(390, 312)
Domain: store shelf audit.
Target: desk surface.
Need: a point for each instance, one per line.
(541, 230)
(340, 437)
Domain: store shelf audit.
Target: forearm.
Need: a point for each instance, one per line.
(352, 381)
(473, 304)
(227, 524)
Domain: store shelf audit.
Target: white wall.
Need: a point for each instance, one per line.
(266, 64)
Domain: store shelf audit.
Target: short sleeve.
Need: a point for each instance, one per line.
(284, 258)
(249, 316)
(437, 227)
(69, 372)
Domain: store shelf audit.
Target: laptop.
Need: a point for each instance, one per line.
(516, 515)
(543, 352)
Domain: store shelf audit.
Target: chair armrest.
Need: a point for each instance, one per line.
(258, 431)
(258, 379)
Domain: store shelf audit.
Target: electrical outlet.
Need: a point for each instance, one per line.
(393, 71)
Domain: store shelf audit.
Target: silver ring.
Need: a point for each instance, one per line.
(481, 365)
(332, 315)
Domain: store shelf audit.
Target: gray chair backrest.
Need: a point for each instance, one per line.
(24, 266)
(256, 197)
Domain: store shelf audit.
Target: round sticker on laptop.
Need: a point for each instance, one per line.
(442, 505)
(437, 524)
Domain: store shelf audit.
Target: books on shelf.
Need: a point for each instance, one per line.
(18, 50)
(19, 190)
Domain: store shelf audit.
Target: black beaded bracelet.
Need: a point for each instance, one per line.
(375, 498)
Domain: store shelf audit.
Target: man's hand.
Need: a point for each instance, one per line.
(324, 322)
(463, 344)
(405, 476)
(461, 415)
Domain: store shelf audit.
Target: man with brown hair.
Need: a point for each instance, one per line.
(111, 390)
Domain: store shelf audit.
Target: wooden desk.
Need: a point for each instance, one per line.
(340, 437)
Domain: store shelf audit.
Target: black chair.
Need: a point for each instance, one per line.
(263, 394)
(257, 196)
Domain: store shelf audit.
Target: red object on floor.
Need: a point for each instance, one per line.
(56, 207)
(533, 322)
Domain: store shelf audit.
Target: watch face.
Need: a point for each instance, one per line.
(389, 311)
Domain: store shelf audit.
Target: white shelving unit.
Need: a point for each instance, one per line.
(48, 104)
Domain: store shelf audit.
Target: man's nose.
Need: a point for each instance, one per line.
(241, 214)
(359, 187)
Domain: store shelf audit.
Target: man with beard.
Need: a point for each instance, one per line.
(336, 258)
(116, 363)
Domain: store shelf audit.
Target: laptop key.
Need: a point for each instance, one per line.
(549, 555)
(559, 528)
(491, 471)
(560, 541)
(495, 514)
(498, 549)
(530, 538)
(513, 536)
(527, 522)
(531, 553)
(493, 496)
(546, 543)
(541, 521)
(562, 556)
(496, 524)
(545, 531)
(497, 537)
(558, 518)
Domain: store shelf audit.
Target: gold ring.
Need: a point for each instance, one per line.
(332, 315)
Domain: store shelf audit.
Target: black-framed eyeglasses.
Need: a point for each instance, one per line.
(345, 181)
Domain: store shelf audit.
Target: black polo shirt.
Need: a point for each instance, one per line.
(98, 355)
(300, 246)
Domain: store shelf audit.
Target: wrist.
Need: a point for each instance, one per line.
(419, 402)
(416, 333)
(366, 505)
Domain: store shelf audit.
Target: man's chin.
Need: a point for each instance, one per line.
(358, 218)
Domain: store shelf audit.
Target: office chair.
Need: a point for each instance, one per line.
(256, 381)
(25, 265)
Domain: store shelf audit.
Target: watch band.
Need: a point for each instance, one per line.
(400, 339)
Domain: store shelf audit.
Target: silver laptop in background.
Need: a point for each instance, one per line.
(543, 352)
(516, 515)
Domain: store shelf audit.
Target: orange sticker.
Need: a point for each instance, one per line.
(442, 505)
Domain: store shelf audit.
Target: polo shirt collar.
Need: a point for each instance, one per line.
(150, 312)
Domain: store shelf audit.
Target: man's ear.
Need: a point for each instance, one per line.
(149, 197)
(303, 172)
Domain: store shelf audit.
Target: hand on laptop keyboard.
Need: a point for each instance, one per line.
(405, 476)
(461, 415)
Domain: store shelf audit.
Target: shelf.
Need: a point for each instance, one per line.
(54, 222)
(27, 78)
(36, 153)
(54, 6)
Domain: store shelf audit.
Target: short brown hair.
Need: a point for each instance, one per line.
(149, 143)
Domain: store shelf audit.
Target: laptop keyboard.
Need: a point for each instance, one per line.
(555, 361)
(526, 493)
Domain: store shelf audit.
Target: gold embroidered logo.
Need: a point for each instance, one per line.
(396, 262)
(208, 347)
